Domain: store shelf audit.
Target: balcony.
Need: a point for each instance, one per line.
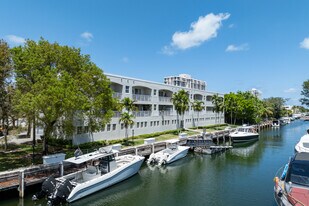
(116, 114)
(142, 113)
(165, 113)
(117, 95)
(141, 97)
(165, 99)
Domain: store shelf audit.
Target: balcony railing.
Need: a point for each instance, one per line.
(117, 114)
(117, 95)
(141, 97)
(165, 99)
(166, 113)
(142, 113)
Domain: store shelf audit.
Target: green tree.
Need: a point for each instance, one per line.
(217, 101)
(181, 103)
(58, 86)
(128, 104)
(276, 103)
(127, 119)
(5, 85)
(198, 106)
(305, 93)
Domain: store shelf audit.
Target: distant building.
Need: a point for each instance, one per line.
(185, 80)
(156, 112)
(257, 93)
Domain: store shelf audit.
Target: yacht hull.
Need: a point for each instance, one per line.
(105, 181)
(244, 138)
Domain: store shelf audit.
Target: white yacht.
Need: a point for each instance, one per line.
(303, 144)
(172, 153)
(102, 169)
(276, 123)
(244, 134)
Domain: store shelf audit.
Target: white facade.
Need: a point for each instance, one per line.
(155, 113)
(185, 80)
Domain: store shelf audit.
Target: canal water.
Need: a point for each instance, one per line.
(241, 176)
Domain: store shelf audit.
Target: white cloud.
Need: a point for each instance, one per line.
(15, 39)
(305, 43)
(87, 36)
(231, 26)
(205, 28)
(125, 59)
(233, 48)
(290, 90)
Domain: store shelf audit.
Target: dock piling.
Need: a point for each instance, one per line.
(21, 187)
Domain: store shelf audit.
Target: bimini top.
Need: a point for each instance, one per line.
(102, 152)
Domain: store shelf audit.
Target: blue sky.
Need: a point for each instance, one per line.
(232, 45)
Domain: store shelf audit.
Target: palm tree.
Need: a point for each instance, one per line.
(198, 106)
(181, 104)
(128, 104)
(127, 119)
(217, 101)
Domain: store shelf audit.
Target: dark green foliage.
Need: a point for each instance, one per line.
(305, 93)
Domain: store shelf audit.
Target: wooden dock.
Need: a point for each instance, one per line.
(20, 178)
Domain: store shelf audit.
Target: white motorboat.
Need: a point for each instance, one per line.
(244, 134)
(292, 183)
(303, 144)
(104, 170)
(172, 153)
(276, 123)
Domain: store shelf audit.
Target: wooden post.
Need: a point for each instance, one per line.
(61, 168)
(217, 139)
(21, 179)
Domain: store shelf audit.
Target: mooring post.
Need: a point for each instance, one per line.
(153, 148)
(217, 139)
(136, 152)
(21, 179)
(61, 168)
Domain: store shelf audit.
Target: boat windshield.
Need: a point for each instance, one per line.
(299, 174)
(306, 144)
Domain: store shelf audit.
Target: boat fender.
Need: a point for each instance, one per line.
(284, 172)
(276, 180)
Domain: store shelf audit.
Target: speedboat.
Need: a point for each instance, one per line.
(292, 184)
(276, 123)
(303, 144)
(172, 153)
(102, 169)
(244, 134)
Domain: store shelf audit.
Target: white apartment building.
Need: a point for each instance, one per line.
(156, 112)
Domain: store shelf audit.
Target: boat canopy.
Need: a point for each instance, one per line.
(102, 152)
(299, 169)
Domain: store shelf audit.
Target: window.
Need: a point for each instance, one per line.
(154, 123)
(114, 126)
(162, 122)
(154, 92)
(137, 124)
(154, 107)
(142, 124)
(127, 89)
(151, 123)
(122, 125)
(79, 130)
(86, 129)
(108, 127)
(158, 123)
(145, 124)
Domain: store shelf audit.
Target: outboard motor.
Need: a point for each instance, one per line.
(62, 193)
(48, 188)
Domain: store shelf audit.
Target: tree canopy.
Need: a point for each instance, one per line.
(305, 94)
(58, 86)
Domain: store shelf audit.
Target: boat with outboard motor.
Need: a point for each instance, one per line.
(172, 153)
(303, 144)
(292, 183)
(276, 123)
(244, 134)
(103, 168)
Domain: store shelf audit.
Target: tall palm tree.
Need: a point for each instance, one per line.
(181, 102)
(217, 101)
(128, 104)
(127, 119)
(198, 106)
